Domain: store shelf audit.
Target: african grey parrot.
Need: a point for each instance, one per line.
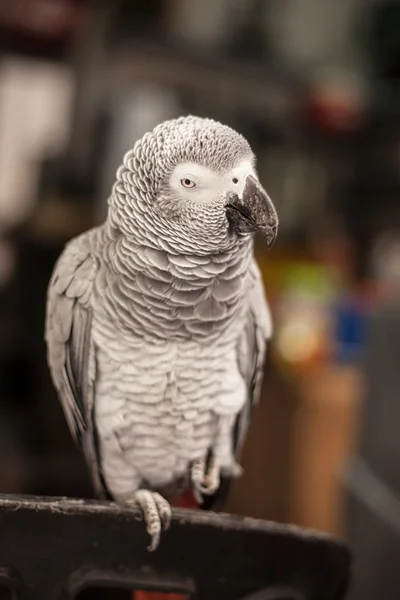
(157, 323)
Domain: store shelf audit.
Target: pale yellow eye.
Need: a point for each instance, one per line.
(188, 183)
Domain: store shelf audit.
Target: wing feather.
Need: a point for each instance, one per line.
(70, 349)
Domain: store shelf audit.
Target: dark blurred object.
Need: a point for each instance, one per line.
(54, 548)
(141, 18)
(384, 40)
(250, 42)
(368, 194)
(373, 480)
(90, 57)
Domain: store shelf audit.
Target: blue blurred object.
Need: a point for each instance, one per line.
(349, 330)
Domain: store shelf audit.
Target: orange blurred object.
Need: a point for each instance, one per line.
(187, 500)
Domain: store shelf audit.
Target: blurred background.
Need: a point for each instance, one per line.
(314, 86)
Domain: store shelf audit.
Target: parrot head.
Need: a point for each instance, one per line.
(194, 179)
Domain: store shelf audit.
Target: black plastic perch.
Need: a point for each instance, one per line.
(53, 548)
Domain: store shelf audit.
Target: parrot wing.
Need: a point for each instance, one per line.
(69, 342)
(251, 352)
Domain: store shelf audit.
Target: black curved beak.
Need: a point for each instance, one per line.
(253, 212)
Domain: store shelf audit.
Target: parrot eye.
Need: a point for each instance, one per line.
(188, 183)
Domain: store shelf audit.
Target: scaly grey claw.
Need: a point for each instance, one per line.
(204, 480)
(156, 513)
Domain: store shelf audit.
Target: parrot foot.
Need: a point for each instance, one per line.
(156, 513)
(204, 477)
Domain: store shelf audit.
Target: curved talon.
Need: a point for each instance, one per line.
(156, 513)
(204, 480)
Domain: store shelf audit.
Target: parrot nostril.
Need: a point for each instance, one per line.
(235, 180)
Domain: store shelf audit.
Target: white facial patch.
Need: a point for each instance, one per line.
(237, 176)
(196, 182)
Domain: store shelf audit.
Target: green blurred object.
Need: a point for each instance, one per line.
(303, 316)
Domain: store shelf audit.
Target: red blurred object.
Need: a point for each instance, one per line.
(44, 19)
(336, 104)
(187, 500)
